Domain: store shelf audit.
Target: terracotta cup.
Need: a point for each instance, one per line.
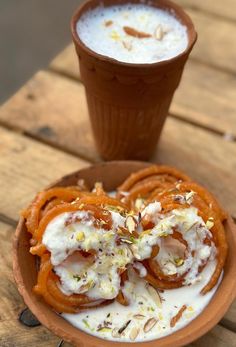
(113, 174)
(128, 103)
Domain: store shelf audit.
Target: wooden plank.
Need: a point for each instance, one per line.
(216, 43)
(213, 163)
(12, 332)
(204, 96)
(207, 98)
(217, 337)
(229, 319)
(27, 166)
(54, 110)
(222, 9)
(66, 63)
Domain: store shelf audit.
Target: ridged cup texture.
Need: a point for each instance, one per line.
(128, 103)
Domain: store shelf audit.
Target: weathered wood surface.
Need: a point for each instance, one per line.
(216, 41)
(226, 9)
(27, 166)
(56, 113)
(205, 97)
(66, 63)
(217, 337)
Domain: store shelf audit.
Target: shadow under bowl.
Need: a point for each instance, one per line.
(112, 174)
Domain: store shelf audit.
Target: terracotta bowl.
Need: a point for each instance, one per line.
(25, 272)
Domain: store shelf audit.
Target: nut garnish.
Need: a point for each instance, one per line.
(80, 236)
(150, 323)
(127, 45)
(155, 296)
(210, 223)
(115, 333)
(159, 33)
(135, 33)
(108, 23)
(130, 224)
(177, 317)
(139, 316)
(104, 330)
(139, 203)
(178, 261)
(134, 333)
(129, 242)
(115, 36)
(120, 331)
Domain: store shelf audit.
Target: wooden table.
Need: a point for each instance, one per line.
(45, 133)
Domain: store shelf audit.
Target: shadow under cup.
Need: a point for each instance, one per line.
(128, 103)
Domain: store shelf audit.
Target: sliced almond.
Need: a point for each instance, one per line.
(122, 329)
(150, 323)
(108, 23)
(123, 240)
(139, 316)
(84, 288)
(155, 296)
(159, 33)
(127, 45)
(135, 33)
(209, 224)
(115, 333)
(130, 224)
(139, 203)
(134, 333)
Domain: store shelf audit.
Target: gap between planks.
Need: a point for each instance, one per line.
(44, 141)
(202, 126)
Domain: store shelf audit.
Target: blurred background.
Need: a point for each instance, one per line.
(32, 32)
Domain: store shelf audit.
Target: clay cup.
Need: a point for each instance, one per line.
(128, 103)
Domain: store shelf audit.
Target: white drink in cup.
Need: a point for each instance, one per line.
(135, 33)
(131, 55)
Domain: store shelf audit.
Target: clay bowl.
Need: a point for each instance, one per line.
(112, 174)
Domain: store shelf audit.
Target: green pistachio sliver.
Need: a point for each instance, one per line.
(77, 277)
(104, 330)
(86, 323)
(178, 261)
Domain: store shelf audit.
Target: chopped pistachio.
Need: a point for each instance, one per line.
(178, 261)
(77, 277)
(80, 236)
(86, 323)
(104, 330)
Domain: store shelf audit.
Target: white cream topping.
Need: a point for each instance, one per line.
(142, 308)
(102, 30)
(100, 279)
(98, 275)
